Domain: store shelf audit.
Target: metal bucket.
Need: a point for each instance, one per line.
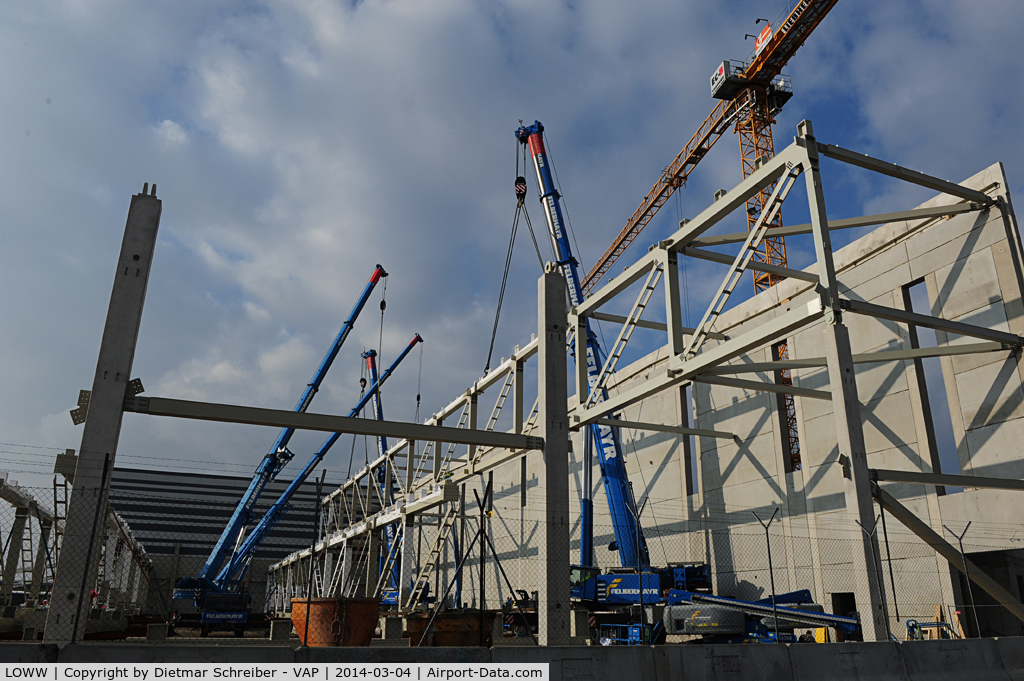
(336, 621)
(460, 629)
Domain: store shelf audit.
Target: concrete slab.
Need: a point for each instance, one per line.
(11, 653)
(990, 394)
(378, 655)
(839, 661)
(729, 662)
(977, 659)
(585, 662)
(78, 653)
(1011, 650)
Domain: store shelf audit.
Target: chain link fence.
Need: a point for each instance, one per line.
(148, 543)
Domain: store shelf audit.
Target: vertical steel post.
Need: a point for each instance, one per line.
(967, 573)
(77, 569)
(771, 568)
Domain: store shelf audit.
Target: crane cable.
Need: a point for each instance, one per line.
(520, 189)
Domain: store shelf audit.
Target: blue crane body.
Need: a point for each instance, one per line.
(239, 563)
(629, 537)
(278, 456)
(386, 493)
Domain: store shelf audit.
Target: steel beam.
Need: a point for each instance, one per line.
(949, 552)
(725, 259)
(927, 321)
(679, 371)
(763, 386)
(885, 475)
(662, 428)
(279, 418)
(863, 358)
(757, 181)
(643, 323)
(845, 223)
(900, 173)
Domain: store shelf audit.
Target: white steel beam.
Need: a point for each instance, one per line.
(884, 475)
(662, 428)
(279, 418)
(846, 223)
(927, 321)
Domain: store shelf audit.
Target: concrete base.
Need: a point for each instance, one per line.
(280, 631)
(156, 632)
(961, 659)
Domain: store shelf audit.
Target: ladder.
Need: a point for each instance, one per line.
(463, 423)
(27, 558)
(389, 562)
(597, 388)
(60, 517)
(506, 388)
(444, 530)
(739, 265)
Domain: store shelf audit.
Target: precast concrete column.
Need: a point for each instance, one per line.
(372, 562)
(853, 457)
(407, 568)
(845, 403)
(39, 566)
(14, 541)
(85, 524)
(553, 616)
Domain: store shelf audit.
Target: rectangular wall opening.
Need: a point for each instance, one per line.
(932, 389)
(786, 410)
(690, 451)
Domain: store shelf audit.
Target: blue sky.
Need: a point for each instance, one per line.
(297, 144)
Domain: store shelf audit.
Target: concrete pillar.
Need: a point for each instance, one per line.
(859, 504)
(407, 567)
(76, 571)
(13, 554)
(372, 562)
(174, 572)
(845, 404)
(39, 566)
(553, 539)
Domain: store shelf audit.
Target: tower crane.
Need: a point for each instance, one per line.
(750, 94)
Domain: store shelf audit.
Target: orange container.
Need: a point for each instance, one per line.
(336, 621)
(458, 628)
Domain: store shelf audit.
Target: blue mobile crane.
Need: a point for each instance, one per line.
(234, 571)
(685, 588)
(387, 494)
(637, 582)
(629, 536)
(223, 600)
(273, 462)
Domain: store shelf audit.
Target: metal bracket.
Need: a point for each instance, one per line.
(135, 386)
(534, 442)
(79, 414)
(139, 405)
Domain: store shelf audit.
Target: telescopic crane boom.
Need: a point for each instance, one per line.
(235, 570)
(279, 455)
(629, 537)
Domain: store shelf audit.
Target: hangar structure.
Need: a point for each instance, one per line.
(708, 440)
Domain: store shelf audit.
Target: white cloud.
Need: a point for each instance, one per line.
(170, 133)
(315, 138)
